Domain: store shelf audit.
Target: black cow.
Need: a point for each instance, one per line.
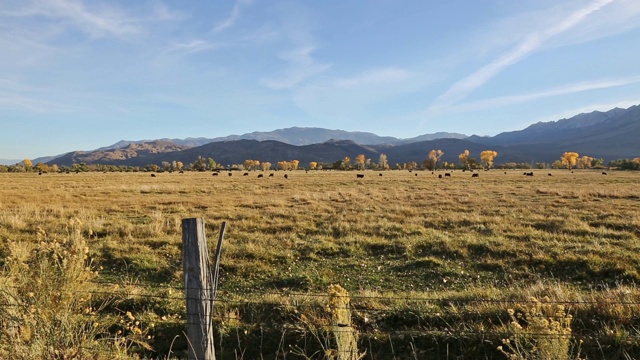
(259, 176)
(359, 176)
(271, 175)
(214, 174)
(475, 175)
(439, 176)
(245, 174)
(604, 173)
(549, 174)
(286, 176)
(153, 175)
(447, 175)
(230, 174)
(380, 174)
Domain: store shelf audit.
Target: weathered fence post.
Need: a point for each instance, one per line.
(199, 287)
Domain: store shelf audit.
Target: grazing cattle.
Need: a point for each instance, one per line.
(416, 174)
(286, 176)
(259, 176)
(39, 172)
(447, 175)
(214, 174)
(359, 176)
(529, 173)
(153, 175)
(271, 175)
(439, 176)
(475, 175)
(181, 172)
(245, 174)
(550, 174)
(604, 173)
(230, 174)
(380, 174)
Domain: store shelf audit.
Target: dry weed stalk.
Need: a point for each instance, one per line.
(538, 330)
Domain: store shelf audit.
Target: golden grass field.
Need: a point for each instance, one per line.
(436, 268)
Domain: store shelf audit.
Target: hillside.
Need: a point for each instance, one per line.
(133, 154)
(609, 135)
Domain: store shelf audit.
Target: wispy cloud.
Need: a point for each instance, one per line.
(16, 95)
(193, 46)
(233, 17)
(558, 91)
(97, 21)
(373, 77)
(530, 44)
(301, 66)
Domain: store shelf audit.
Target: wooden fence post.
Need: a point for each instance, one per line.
(199, 289)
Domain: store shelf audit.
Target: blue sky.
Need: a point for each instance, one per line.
(81, 74)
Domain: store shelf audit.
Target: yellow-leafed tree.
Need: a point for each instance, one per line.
(487, 157)
(313, 165)
(464, 159)
(360, 159)
(569, 159)
(346, 163)
(584, 162)
(432, 162)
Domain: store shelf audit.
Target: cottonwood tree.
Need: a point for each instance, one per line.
(212, 164)
(383, 162)
(28, 164)
(265, 166)
(435, 155)
(487, 157)
(410, 165)
(313, 165)
(42, 167)
(569, 159)
(249, 164)
(346, 163)
(294, 164)
(584, 162)
(464, 159)
(283, 165)
(360, 160)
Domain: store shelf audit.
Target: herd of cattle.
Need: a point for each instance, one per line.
(361, 176)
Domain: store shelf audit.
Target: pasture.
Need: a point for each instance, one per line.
(436, 267)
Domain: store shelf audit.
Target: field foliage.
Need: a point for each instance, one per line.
(502, 266)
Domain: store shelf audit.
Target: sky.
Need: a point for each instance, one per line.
(82, 74)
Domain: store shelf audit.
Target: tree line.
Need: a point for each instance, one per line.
(569, 160)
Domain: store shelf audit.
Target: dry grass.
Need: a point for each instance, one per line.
(414, 252)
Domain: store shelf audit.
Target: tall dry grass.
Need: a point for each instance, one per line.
(415, 252)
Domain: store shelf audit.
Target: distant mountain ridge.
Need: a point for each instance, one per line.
(610, 135)
(9, 161)
(298, 136)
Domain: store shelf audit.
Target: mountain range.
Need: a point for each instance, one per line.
(610, 135)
